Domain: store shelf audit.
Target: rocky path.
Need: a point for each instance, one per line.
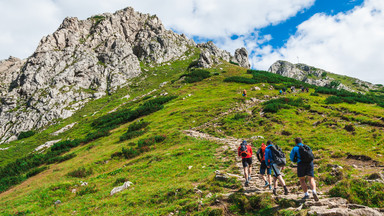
(325, 206)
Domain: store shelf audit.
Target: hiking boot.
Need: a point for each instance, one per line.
(249, 178)
(266, 185)
(315, 196)
(270, 187)
(285, 191)
(246, 184)
(305, 197)
(274, 191)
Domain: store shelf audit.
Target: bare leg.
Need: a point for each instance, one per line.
(303, 184)
(274, 182)
(269, 179)
(263, 177)
(281, 180)
(246, 173)
(250, 170)
(312, 183)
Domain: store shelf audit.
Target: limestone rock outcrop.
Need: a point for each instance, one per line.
(85, 60)
(314, 76)
(211, 55)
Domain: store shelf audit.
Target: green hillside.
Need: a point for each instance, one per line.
(167, 167)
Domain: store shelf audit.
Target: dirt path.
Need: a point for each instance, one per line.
(325, 206)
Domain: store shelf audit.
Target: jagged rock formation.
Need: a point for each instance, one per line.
(85, 60)
(211, 55)
(312, 75)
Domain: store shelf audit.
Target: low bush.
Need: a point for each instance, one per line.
(274, 105)
(120, 181)
(360, 192)
(196, 76)
(25, 134)
(240, 79)
(36, 171)
(60, 159)
(234, 63)
(134, 130)
(143, 145)
(86, 190)
(80, 172)
(243, 204)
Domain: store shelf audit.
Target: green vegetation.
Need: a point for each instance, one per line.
(196, 76)
(360, 191)
(141, 140)
(274, 105)
(25, 134)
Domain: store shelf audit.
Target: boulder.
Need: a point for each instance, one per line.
(121, 188)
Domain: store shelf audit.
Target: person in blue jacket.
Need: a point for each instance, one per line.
(303, 170)
(269, 161)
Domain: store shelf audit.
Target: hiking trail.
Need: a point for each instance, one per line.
(325, 206)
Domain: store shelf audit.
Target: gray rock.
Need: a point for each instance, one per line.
(312, 75)
(121, 188)
(57, 202)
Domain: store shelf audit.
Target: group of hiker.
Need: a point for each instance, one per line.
(293, 90)
(272, 158)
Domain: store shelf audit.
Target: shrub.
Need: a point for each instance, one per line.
(143, 145)
(239, 116)
(349, 128)
(234, 63)
(324, 74)
(274, 105)
(134, 130)
(333, 100)
(86, 190)
(240, 79)
(25, 134)
(36, 171)
(360, 192)
(80, 172)
(314, 94)
(334, 84)
(193, 64)
(60, 159)
(196, 76)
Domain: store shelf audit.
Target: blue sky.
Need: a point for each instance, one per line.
(283, 31)
(341, 36)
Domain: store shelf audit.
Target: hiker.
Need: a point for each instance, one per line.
(245, 151)
(293, 89)
(284, 90)
(274, 160)
(281, 91)
(307, 89)
(303, 156)
(302, 89)
(261, 157)
(244, 93)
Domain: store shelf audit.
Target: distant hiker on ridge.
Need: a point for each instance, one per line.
(245, 151)
(275, 159)
(261, 157)
(244, 93)
(302, 154)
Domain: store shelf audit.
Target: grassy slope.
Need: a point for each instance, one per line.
(162, 180)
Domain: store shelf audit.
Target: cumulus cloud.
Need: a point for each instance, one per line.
(25, 22)
(347, 43)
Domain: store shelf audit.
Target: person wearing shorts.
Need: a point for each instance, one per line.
(246, 160)
(276, 169)
(263, 166)
(304, 170)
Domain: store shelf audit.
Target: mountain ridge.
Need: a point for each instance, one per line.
(84, 60)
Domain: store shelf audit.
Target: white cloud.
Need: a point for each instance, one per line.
(25, 22)
(347, 43)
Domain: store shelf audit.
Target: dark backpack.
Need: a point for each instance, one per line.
(306, 155)
(278, 155)
(259, 154)
(244, 150)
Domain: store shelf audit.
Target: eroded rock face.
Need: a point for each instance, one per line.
(211, 55)
(81, 61)
(84, 60)
(312, 75)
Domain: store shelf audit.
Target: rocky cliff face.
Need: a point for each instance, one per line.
(85, 60)
(312, 75)
(211, 55)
